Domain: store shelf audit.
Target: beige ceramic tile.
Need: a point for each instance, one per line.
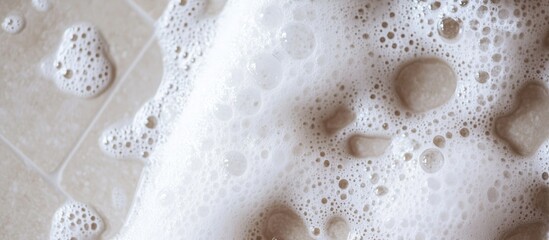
(95, 178)
(154, 8)
(38, 118)
(27, 203)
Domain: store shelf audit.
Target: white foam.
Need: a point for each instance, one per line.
(76, 221)
(13, 23)
(182, 56)
(41, 5)
(138, 139)
(81, 66)
(240, 132)
(298, 40)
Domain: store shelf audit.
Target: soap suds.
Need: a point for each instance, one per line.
(260, 98)
(81, 66)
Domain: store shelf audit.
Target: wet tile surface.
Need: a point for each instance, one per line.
(45, 123)
(109, 184)
(152, 7)
(36, 116)
(27, 201)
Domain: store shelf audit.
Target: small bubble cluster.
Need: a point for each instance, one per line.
(76, 221)
(81, 66)
(136, 140)
(13, 23)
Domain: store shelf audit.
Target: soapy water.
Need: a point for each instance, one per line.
(343, 120)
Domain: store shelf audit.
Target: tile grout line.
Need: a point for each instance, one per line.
(29, 163)
(141, 12)
(58, 172)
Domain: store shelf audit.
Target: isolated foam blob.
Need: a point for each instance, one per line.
(76, 221)
(13, 23)
(136, 140)
(41, 5)
(81, 66)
